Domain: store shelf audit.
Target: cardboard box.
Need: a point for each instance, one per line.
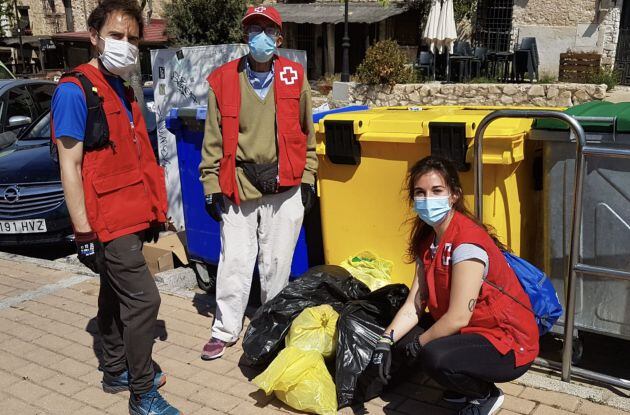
(158, 259)
(167, 253)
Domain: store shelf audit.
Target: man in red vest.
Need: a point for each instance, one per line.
(116, 196)
(258, 170)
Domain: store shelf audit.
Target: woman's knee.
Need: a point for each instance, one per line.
(432, 358)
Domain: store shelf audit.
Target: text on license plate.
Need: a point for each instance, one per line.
(23, 226)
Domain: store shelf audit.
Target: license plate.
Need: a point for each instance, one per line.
(23, 226)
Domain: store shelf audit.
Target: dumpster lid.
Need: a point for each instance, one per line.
(593, 109)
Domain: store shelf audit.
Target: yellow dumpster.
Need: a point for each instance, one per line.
(364, 158)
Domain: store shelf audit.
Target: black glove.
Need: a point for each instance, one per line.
(308, 196)
(412, 349)
(215, 206)
(153, 233)
(90, 250)
(382, 358)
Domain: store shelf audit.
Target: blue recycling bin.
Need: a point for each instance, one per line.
(202, 233)
(350, 108)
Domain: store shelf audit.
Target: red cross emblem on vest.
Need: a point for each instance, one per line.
(260, 9)
(446, 255)
(288, 75)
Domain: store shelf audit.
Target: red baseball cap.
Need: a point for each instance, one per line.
(266, 11)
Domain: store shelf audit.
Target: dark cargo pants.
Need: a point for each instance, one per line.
(128, 304)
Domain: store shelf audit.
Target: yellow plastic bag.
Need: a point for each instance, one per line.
(370, 269)
(300, 379)
(315, 329)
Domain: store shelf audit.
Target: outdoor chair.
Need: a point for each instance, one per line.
(526, 60)
(461, 58)
(425, 62)
(479, 63)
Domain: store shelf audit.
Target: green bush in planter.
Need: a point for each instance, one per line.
(385, 64)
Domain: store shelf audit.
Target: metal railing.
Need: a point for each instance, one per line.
(574, 266)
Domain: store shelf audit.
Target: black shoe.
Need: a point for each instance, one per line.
(454, 397)
(486, 406)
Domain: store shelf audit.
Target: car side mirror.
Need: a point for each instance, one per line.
(19, 121)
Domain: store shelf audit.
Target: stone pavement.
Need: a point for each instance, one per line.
(49, 347)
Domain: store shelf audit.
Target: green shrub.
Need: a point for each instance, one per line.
(607, 76)
(385, 64)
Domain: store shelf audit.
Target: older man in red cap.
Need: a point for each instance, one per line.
(258, 170)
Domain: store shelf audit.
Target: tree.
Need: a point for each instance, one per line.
(463, 9)
(205, 22)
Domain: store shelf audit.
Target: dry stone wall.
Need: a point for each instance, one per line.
(553, 12)
(561, 94)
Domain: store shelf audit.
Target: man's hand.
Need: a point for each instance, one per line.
(308, 196)
(90, 250)
(215, 206)
(153, 233)
(382, 358)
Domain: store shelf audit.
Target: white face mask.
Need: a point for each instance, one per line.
(119, 57)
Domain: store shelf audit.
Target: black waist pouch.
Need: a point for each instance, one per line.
(263, 177)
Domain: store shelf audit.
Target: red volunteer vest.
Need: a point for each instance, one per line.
(123, 184)
(505, 323)
(287, 84)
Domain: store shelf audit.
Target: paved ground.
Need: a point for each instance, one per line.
(620, 93)
(49, 348)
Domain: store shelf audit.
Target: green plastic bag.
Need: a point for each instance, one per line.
(370, 269)
(300, 379)
(315, 329)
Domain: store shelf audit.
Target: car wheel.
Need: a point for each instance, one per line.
(206, 276)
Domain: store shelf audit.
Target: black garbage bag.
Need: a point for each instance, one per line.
(323, 284)
(359, 327)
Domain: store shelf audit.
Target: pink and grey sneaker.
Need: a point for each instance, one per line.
(214, 349)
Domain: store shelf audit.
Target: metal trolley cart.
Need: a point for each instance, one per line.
(602, 280)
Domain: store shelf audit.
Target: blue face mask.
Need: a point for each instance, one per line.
(261, 47)
(432, 210)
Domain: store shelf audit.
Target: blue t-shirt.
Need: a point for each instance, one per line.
(69, 108)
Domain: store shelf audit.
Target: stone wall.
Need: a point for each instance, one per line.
(610, 34)
(560, 94)
(568, 25)
(46, 21)
(553, 12)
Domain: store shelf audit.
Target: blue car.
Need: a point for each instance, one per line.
(32, 205)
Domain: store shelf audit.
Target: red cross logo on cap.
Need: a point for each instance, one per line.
(288, 75)
(260, 9)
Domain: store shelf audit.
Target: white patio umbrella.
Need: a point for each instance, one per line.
(447, 30)
(430, 32)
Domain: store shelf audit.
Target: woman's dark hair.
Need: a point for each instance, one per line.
(99, 15)
(420, 230)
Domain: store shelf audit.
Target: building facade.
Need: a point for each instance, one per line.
(559, 26)
(54, 35)
(318, 28)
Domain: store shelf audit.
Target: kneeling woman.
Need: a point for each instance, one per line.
(480, 335)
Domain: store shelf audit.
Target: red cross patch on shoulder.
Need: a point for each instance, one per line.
(446, 254)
